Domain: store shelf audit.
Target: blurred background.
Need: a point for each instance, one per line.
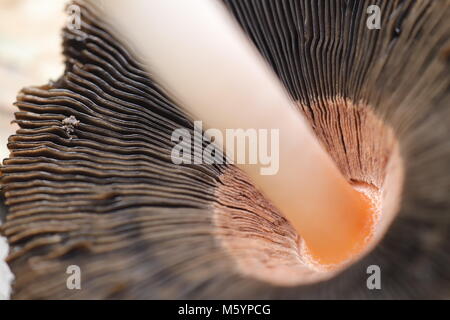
(30, 52)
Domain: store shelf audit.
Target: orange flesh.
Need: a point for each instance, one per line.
(360, 219)
(334, 220)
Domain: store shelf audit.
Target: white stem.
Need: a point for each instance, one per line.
(201, 56)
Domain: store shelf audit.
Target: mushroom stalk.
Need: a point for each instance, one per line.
(198, 53)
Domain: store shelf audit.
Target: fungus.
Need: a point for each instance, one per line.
(90, 181)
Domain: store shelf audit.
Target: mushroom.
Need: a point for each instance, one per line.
(90, 181)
